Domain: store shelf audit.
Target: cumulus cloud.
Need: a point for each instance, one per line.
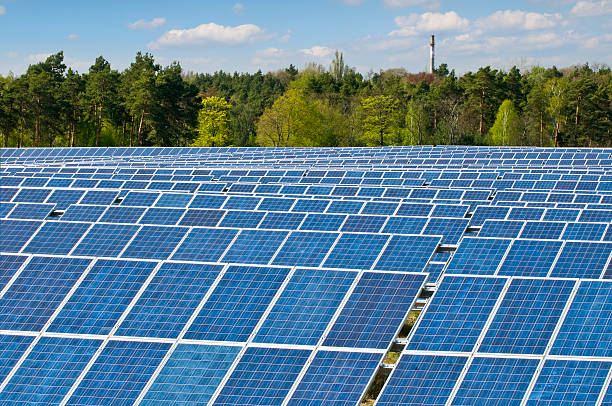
(211, 33)
(147, 25)
(2, 10)
(73, 37)
(286, 37)
(592, 8)
(428, 4)
(238, 8)
(429, 22)
(317, 51)
(518, 19)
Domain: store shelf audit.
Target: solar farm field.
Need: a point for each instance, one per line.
(259, 276)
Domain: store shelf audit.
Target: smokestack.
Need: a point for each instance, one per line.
(432, 45)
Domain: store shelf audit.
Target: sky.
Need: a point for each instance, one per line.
(245, 36)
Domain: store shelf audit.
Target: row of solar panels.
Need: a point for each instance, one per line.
(66, 322)
(450, 355)
(592, 174)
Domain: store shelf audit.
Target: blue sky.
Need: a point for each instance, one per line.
(206, 35)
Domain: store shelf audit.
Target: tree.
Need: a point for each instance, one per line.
(379, 119)
(507, 127)
(285, 122)
(416, 119)
(556, 89)
(9, 115)
(71, 93)
(213, 123)
(101, 93)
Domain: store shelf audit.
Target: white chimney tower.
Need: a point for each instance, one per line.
(432, 45)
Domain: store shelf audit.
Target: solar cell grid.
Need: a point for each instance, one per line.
(530, 258)
(478, 256)
(56, 238)
(356, 251)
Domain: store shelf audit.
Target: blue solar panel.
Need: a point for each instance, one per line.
(415, 210)
(237, 303)
(305, 307)
(139, 199)
(275, 204)
(582, 260)
(407, 253)
(245, 386)
(451, 230)
(530, 258)
(310, 206)
(207, 202)
(426, 380)
(173, 200)
(83, 213)
(241, 203)
(191, 375)
(364, 224)
(569, 382)
(64, 198)
(345, 206)
(242, 219)
(496, 381)
(584, 231)
(380, 208)
(31, 211)
(119, 374)
(501, 228)
(587, 328)
(527, 316)
(105, 240)
(162, 216)
(9, 264)
(255, 246)
(56, 238)
(337, 378)
(457, 314)
(169, 300)
(49, 371)
(356, 251)
(11, 350)
(101, 197)
(202, 218)
(120, 214)
(542, 230)
(375, 311)
(483, 213)
(405, 225)
(305, 249)
(322, 222)
(32, 195)
(154, 242)
(205, 244)
(37, 291)
(283, 221)
(101, 298)
(478, 256)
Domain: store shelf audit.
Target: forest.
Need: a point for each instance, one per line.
(152, 105)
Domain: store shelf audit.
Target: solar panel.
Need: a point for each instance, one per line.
(88, 213)
(205, 244)
(478, 256)
(356, 251)
(305, 308)
(237, 303)
(154, 242)
(305, 249)
(407, 253)
(527, 316)
(105, 240)
(375, 311)
(457, 314)
(56, 238)
(335, 377)
(31, 211)
(582, 260)
(191, 374)
(530, 258)
(162, 216)
(422, 380)
(255, 246)
(245, 385)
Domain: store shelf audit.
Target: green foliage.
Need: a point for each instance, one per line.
(379, 119)
(507, 127)
(150, 105)
(213, 123)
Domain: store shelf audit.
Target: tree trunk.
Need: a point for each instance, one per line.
(556, 134)
(99, 128)
(541, 129)
(138, 138)
(435, 119)
(481, 125)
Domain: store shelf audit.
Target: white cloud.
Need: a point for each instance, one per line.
(147, 25)
(429, 22)
(317, 51)
(73, 37)
(2, 10)
(518, 19)
(286, 37)
(238, 8)
(212, 33)
(35, 58)
(353, 2)
(592, 8)
(12, 54)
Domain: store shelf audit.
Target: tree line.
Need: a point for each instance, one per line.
(150, 105)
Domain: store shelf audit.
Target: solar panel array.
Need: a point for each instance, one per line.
(261, 276)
